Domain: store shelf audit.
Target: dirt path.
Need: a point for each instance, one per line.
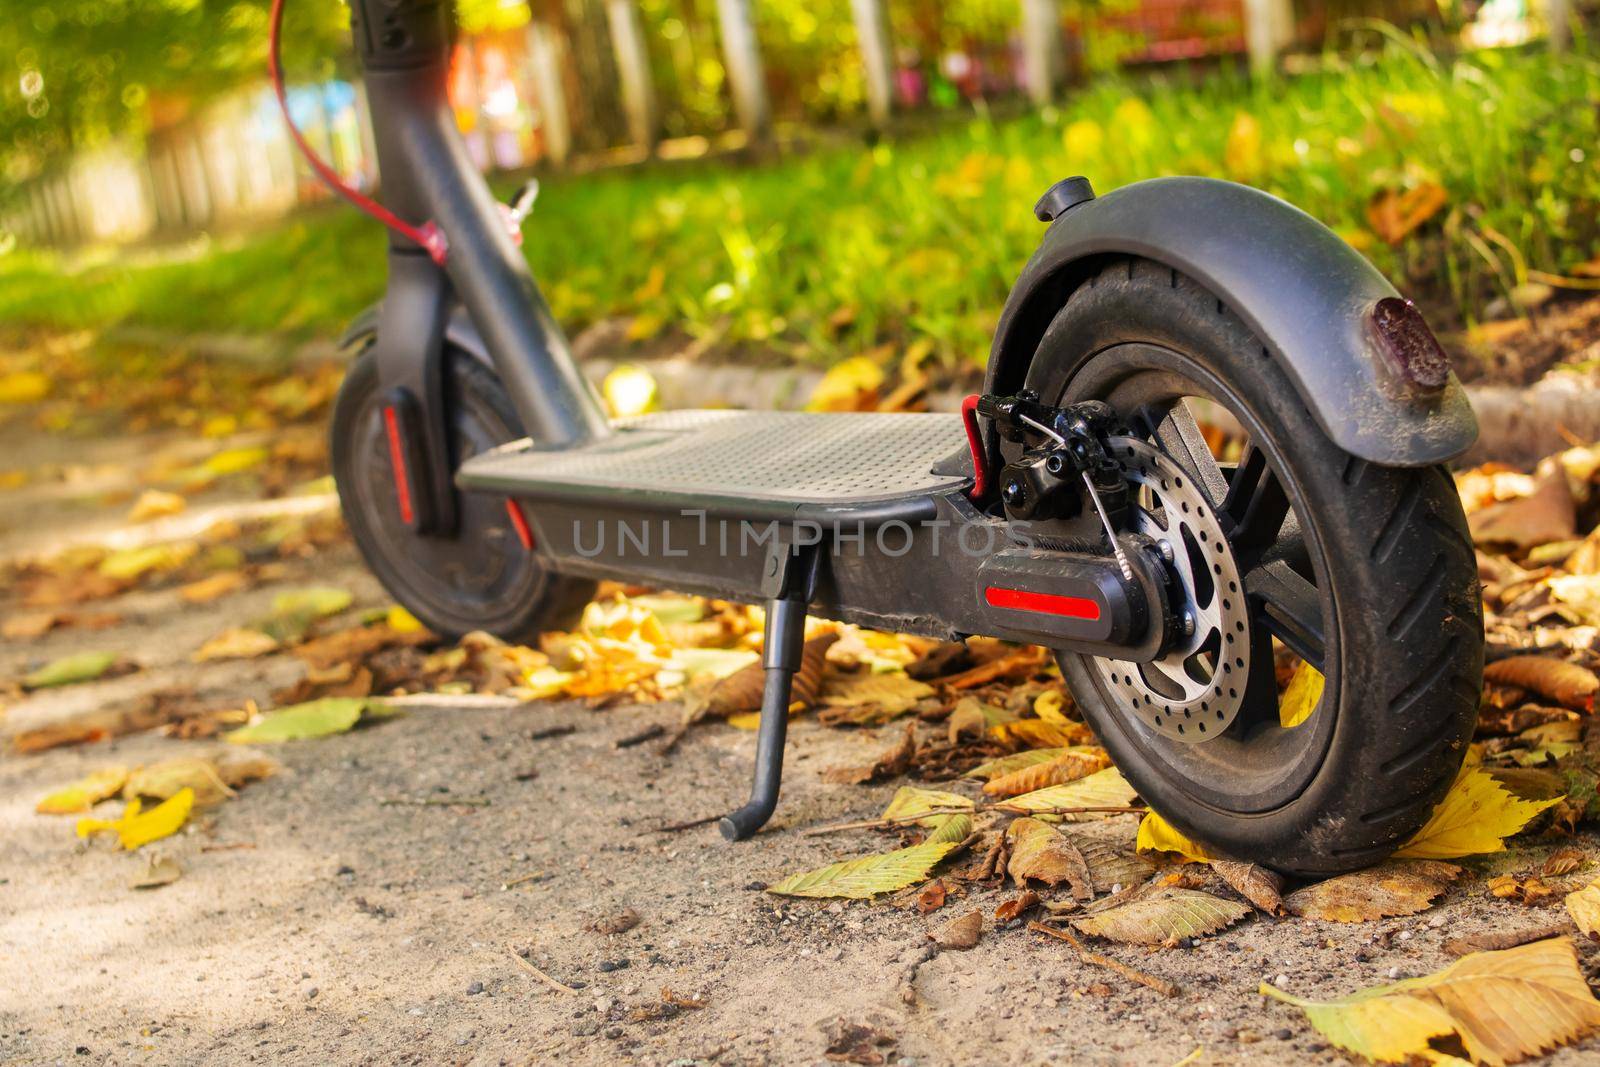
(318, 920)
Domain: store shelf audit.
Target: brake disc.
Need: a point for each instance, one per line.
(1194, 691)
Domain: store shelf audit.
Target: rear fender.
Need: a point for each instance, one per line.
(1302, 290)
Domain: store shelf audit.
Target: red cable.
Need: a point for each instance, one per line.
(428, 235)
(980, 462)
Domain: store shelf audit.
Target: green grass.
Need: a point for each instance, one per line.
(847, 250)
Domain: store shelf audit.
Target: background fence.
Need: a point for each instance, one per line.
(625, 79)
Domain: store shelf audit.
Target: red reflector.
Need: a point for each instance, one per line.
(397, 459)
(519, 523)
(1073, 607)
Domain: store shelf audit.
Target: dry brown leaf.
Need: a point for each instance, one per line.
(149, 711)
(169, 777)
(1259, 886)
(1069, 766)
(238, 766)
(1016, 906)
(236, 643)
(616, 922)
(960, 933)
(891, 764)
(158, 871)
(892, 691)
(156, 504)
(1112, 869)
(1013, 666)
(932, 896)
(1040, 853)
(1398, 887)
(1393, 213)
(1547, 514)
(947, 657)
(1520, 890)
(1163, 917)
(344, 647)
(211, 588)
(1566, 683)
(1563, 861)
(741, 690)
(29, 625)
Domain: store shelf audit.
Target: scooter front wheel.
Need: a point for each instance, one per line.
(1286, 550)
(482, 576)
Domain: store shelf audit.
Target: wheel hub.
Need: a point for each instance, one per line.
(1195, 689)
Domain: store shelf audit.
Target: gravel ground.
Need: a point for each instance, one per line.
(317, 921)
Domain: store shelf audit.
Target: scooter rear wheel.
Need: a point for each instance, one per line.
(1365, 571)
(481, 577)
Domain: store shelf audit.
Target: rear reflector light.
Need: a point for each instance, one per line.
(1411, 351)
(1072, 607)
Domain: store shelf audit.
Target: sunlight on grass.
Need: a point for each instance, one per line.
(832, 254)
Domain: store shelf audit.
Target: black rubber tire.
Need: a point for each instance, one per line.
(1405, 642)
(480, 579)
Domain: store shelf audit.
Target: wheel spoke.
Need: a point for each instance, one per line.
(1289, 608)
(1180, 437)
(1253, 512)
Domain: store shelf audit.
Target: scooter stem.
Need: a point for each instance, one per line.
(429, 176)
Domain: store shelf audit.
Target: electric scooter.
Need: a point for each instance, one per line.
(1076, 503)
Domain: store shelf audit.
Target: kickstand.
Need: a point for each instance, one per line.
(790, 582)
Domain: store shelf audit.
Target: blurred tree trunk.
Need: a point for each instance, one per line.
(1268, 29)
(1043, 58)
(633, 69)
(544, 53)
(746, 75)
(1558, 13)
(877, 57)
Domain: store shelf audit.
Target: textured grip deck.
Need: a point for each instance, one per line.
(734, 458)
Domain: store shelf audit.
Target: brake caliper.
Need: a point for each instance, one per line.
(1052, 479)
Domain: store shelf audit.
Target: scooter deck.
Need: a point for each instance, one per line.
(763, 465)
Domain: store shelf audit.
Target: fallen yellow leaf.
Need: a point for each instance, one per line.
(1242, 156)
(402, 621)
(236, 642)
(849, 385)
(1476, 816)
(23, 387)
(866, 876)
(912, 800)
(1584, 907)
(1163, 916)
(1398, 887)
(1102, 789)
(156, 504)
(210, 588)
(1158, 835)
(1301, 696)
(1502, 1006)
(137, 828)
(85, 793)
